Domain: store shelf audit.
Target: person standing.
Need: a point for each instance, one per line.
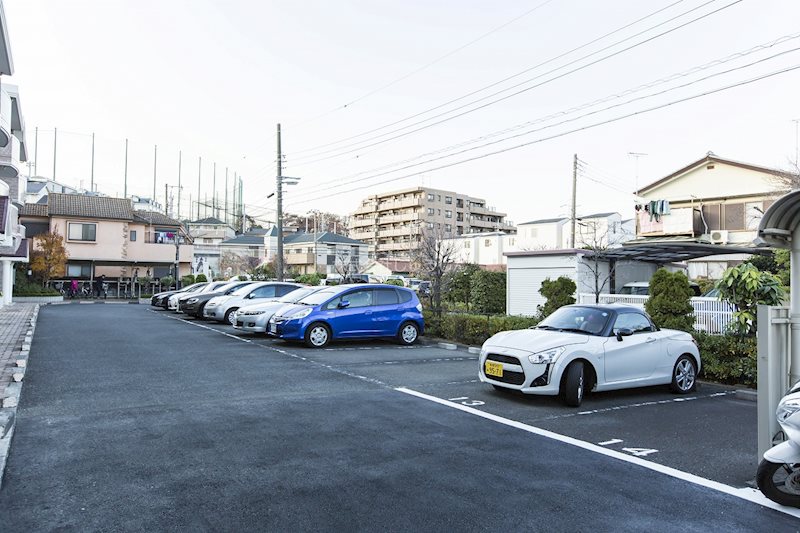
(73, 288)
(98, 286)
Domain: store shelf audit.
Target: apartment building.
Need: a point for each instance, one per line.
(13, 243)
(208, 233)
(392, 223)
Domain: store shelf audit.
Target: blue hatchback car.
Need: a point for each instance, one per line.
(351, 312)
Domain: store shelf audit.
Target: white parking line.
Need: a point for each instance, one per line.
(751, 495)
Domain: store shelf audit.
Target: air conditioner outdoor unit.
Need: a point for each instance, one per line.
(719, 237)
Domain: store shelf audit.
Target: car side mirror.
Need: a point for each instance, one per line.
(624, 332)
(343, 304)
(251, 296)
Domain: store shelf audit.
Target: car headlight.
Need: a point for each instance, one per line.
(191, 300)
(253, 313)
(547, 356)
(787, 409)
(301, 314)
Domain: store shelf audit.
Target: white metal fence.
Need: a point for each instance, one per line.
(710, 314)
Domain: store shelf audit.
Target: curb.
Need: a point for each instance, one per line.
(9, 399)
(749, 395)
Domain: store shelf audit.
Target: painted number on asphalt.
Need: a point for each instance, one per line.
(464, 400)
(637, 452)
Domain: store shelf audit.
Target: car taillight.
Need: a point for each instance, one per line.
(419, 307)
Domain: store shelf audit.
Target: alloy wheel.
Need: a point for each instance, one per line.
(684, 375)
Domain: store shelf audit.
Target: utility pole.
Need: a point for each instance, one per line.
(199, 169)
(279, 215)
(155, 166)
(166, 199)
(796, 145)
(36, 151)
(574, 199)
(55, 151)
(91, 186)
(226, 195)
(636, 155)
(180, 157)
(214, 192)
(125, 189)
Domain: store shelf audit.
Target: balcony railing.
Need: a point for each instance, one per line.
(300, 259)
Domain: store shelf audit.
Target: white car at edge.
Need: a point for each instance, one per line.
(581, 348)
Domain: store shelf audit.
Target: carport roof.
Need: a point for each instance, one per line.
(661, 251)
(779, 221)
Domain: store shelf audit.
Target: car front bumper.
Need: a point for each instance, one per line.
(286, 329)
(252, 323)
(214, 313)
(519, 373)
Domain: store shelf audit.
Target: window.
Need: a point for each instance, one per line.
(440, 212)
(133, 235)
(267, 291)
(439, 197)
(82, 232)
(430, 225)
(459, 202)
(467, 244)
(448, 228)
(487, 243)
(360, 298)
(460, 217)
(283, 290)
(431, 211)
(79, 271)
(448, 214)
(533, 232)
(448, 199)
(386, 297)
(634, 322)
(430, 197)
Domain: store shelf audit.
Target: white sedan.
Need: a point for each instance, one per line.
(222, 308)
(590, 348)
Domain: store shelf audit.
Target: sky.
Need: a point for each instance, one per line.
(378, 95)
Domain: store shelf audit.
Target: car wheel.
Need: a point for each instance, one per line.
(572, 385)
(684, 375)
(408, 334)
(318, 335)
(229, 315)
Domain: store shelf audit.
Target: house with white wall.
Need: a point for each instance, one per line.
(485, 249)
(542, 234)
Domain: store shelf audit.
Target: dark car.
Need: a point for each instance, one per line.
(194, 305)
(160, 299)
(211, 287)
(351, 312)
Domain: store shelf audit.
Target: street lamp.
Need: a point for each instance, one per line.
(279, 182)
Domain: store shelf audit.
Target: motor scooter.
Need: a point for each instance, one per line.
(778, 475)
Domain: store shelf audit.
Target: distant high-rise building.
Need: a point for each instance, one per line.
(392, 223)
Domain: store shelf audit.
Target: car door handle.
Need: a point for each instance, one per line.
(367, 312)
(650, 339)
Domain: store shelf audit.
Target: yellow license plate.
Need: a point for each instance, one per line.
(494, 369)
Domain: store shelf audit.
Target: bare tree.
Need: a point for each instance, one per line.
(435, 256)
(788, 180)
(598, 241)
(346, 263)
(233, 264)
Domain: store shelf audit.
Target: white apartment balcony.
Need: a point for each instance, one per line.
(5, 117)
(9, 159)
(362, 222)
(364, 209)
(400, 204)
(362, 235)
(300, 259)
(405, 217)
(396, 232)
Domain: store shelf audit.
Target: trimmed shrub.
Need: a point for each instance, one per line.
(730, 359)
(397, 282)
(669, 303)
(308, 279)
(558, 293)
(458, 285)
(24, 288)
(188, 280)
(166, 282)
(472, 329)
(488, 291)
(200, 278)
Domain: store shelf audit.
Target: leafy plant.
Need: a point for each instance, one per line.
(470, 328)
(488, 291)
(308, 279)
(746, 287)
(459, 284)
(669, 304)
(189, 279)
(166, 282)
(396, 282)
(49, 257)
(559, 292)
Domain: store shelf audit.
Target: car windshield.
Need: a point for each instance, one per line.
(589, 320)
(297, 295)
(319, 297)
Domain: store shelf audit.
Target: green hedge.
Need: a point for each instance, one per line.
(472, 329)
(33, 289)
(728, 359)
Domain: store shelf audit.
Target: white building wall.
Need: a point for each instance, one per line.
(540, 236)
(722, 180)
(524, 277)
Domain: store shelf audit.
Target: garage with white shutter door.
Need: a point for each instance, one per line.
(527, 270)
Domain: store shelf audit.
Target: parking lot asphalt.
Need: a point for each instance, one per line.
(134, 419)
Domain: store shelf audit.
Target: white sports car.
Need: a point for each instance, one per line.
(590, 347)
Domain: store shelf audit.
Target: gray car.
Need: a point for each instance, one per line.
(254, 318)
(221, 308)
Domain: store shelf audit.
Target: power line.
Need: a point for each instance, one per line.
(568, 132)
(565, 121)
(567, 112)
(423, 67)
(508, 78)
